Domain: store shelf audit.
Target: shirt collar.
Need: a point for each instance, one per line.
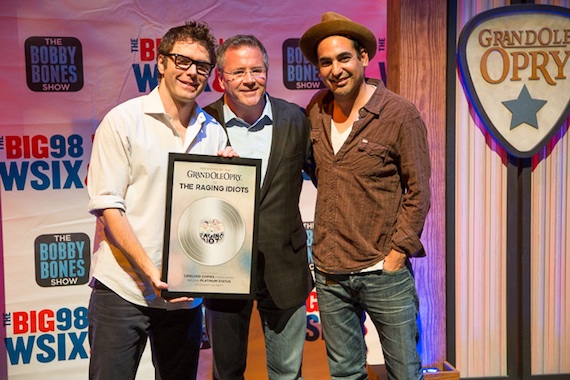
(152, 105)
(266, 117)
(377, 101)
(198, 116)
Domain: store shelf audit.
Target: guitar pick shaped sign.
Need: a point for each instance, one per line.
(514, 65)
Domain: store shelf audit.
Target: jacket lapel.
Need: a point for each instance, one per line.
(278, 142)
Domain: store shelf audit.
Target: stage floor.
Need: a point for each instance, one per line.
(315, 365)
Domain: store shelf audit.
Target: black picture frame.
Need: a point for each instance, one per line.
(211, 219)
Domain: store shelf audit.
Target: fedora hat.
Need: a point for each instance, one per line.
(334, 24)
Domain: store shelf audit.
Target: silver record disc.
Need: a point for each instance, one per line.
(211, 231)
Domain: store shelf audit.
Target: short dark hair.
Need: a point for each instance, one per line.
(194, 31)
(238, 41)
(357, 46)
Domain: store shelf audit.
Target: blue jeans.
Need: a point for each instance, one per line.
(391, 301)
(227, 322)
(118, 332)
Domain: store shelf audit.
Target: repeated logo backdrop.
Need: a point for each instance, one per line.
(66, 64)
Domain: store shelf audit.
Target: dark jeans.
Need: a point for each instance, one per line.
(391, 302)
(118, 332)
(284, 332)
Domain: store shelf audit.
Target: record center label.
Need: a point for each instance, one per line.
(211, 231)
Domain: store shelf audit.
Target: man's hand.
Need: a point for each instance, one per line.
(228, 152)
(161, 285)
(394, 261)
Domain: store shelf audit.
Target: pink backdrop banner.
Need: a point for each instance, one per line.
(66, 63)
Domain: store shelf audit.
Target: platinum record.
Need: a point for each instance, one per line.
(211, 231)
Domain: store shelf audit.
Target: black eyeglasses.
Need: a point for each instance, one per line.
(183, 63)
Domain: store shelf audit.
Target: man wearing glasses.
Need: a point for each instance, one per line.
(127, 190)
(277, 132)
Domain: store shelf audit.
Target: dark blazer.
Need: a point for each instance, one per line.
(282, 240)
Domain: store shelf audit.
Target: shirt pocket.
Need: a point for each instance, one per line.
(371, 158)
(374, 166)
(373, 149)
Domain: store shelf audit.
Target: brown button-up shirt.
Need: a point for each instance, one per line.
(374, 194)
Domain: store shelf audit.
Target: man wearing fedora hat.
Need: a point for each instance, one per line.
(373, 170)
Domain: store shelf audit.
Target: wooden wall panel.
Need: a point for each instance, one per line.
(416, 62)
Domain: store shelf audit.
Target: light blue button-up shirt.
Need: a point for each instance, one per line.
(251, 141)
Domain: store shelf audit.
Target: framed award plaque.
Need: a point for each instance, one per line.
(210, 245)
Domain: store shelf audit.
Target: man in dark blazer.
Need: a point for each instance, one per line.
(277, 132)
